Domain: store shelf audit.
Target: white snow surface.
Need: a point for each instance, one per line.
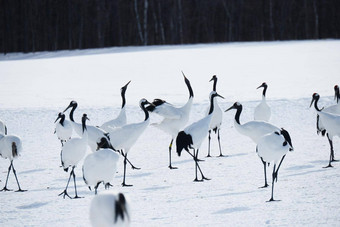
(34, 88)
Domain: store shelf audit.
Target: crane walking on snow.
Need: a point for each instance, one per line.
(72, 152)
(193, 135)
(273, 147)
(10, 148)
(216, 120)
(330, 122)
(175, 118)
(254, 130)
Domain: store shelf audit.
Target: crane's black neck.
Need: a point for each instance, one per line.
(62, 119)
(238, 114)
(83, 123)
(316, 100)
(145, 111)
(123, 98)
(191, 93)
(74, 107)
(264, 90)
(211, 104)
(215, 84)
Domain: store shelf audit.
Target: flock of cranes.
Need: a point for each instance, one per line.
(116, 137)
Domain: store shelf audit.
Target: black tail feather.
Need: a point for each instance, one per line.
(14, 150)
(183, 141)
(120, 208)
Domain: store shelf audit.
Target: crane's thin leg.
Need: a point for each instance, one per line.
(199, 168)
(209, 138)
(277, 170)
(125, 161)
(64, 193)
(219, 143)
(132, 166)
(170, 147)
(273, 180)
(9, 170)
(75, 186)
(15, 174)
(265, 173)
(331, 152)
(196, 179)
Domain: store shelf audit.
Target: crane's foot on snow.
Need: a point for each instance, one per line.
(134, 167)
(108, 185)
(205, 178)
(21, 190)
(265, 186)
(221, 156)
(77, 197)
(5, 189)
(329, 165)
(64, 193)
(172, 167)
(197, 180)
(273, 200)
(126, 185)
(335, 160)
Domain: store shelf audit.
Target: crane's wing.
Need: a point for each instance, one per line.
(164, 109)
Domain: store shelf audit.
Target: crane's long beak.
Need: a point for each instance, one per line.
(230, 108)
(184, 75)
(259, 86)
(311, 103)
(57, 119)
(67, 108)
(220, 96)
(125, 86)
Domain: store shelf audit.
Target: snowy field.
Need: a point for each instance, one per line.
(35, 87)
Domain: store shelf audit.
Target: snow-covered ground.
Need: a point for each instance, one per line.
(35, 87)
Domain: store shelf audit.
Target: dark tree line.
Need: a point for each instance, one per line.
(39, 25)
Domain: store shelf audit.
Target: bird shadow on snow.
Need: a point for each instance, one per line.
(236, 155)
(32, 171)
(296, 168)
(33, 205)
(156, 188)
(232, 210)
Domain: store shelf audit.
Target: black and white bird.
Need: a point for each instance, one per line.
(63, 128)
(10, 148)
(194, 134)
(175, 118)
(110, 209)
(3, 128)
(120, 120)
(94, 133)
(330, 122)
(72, 152)
(272, 148)
(262, 111)
(216, 120)
(253, 129)
(100, 166)
(123, 138)
(334, 109)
